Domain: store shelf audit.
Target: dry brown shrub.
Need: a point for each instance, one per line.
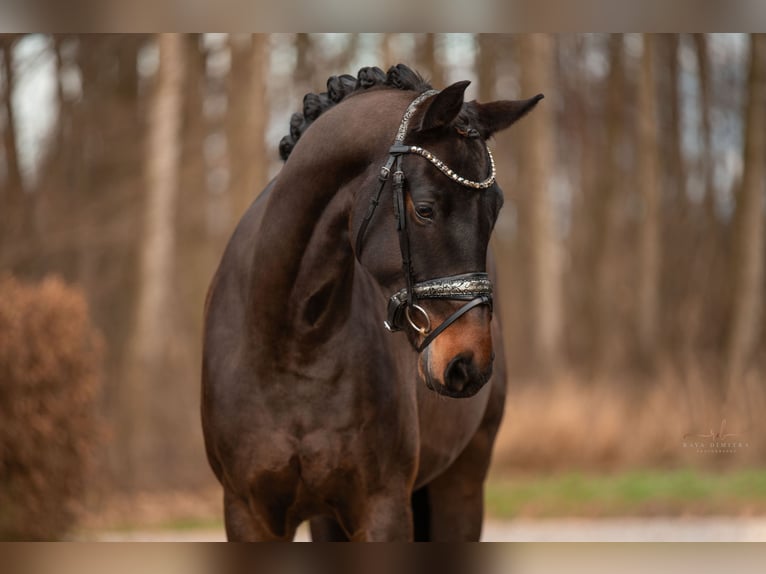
(50, 357)
(622, 422)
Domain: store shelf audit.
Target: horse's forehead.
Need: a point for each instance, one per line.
(381, 112)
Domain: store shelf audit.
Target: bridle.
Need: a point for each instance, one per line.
(474, 288)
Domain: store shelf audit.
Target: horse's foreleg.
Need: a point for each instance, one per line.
(327, 529)
(456, 497)
(387, 517)
(456, 508)
(242, 525)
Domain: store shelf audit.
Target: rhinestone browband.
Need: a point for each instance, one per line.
(439, 164)
(409, 112)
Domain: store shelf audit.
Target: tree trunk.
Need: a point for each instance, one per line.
(536, 161)
(705, 272)
(603, 214)
(675, 165)
(649, 232)
(749, 235)
(152, 339)
(511, 234)
(705, 102)
(386, 51)
(14, 182)
(18, 222)
(487, 67)
(237, 138)
(252, 144)
(303, 73)
(676, 285)
(428, 61)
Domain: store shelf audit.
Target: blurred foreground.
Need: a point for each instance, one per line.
(610, 530)
(378, 559)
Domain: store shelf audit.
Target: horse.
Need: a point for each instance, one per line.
(352, 371)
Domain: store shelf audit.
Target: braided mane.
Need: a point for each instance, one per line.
(399, 77)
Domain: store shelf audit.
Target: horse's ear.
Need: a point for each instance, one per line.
(496, 116)
(444, 107)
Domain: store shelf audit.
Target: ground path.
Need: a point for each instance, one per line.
(712, 529)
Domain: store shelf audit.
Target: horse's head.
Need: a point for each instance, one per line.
(433, 253)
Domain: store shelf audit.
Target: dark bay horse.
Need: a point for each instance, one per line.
(311, 408)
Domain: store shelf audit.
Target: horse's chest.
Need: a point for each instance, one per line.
(446, 427)
(330, 441)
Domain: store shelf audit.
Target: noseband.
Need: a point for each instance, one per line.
(474, 288)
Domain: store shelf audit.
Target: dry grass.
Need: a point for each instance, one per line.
(600, 431)
(176, 509)
(617, 424)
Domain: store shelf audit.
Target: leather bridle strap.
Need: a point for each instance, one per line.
(400, 213)
(482, 300)
(385, 171)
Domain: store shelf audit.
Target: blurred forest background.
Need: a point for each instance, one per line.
(630, 248)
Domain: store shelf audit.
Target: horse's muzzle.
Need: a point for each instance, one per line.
(462, 378)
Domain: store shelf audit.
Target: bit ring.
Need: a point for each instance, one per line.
(422, 330)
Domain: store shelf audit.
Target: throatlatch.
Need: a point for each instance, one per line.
(475, 288)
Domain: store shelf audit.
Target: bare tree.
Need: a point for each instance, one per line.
(510, 239)
(303, 73)
(427, 56)
(649, 233)
(386, 50)
(707, 235)
(536, 161)
(749, 235)
(705, 102)
(487, 64)
(603, 207)
(248, 119)
(257, 119)
(675, 168)
(13, 177)
(152, 335)
(162, 179)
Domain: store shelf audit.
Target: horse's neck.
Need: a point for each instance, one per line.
(320, 297)
(299, 248)
(303, 259)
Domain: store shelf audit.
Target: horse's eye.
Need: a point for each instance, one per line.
(424, 211)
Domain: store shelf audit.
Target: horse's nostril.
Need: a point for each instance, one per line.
(458, 373)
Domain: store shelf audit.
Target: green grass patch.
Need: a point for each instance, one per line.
(632, 493)
(177, 524)
(192, 524)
